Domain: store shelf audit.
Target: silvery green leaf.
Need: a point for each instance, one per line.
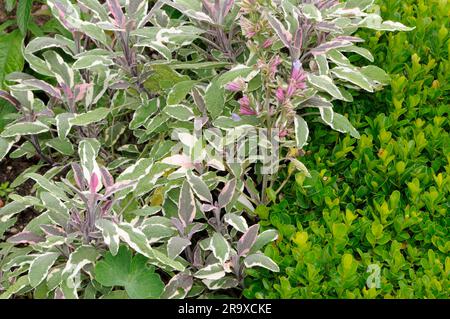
(239, 71)
(58, 211)
(162, 259)
(211, 272)
(95, 6)
(222, 283)
(260, 260)
(322, 64)
(263, 239)
(300, 166)
(157, 228)
(237, 222)
(247, 240)
(24, 128)
(61, 145)
(186, 205)
(179, 91)
(90, 117)
(353, 76)
(199, 186)
(220, 247)
(358, 50)
(179, 112)
(343, 125)
(40, 267)
(20, 283)
(325, 84)
(214, 99)
(81, 257)
(376, 74)
(280, 30)
(227, 193)
(134, 238)
(59, 68)
(176, 245)
(91, 61)
(5, 146)
(48, 185)
(110, 234)
(301, 131)
(374, 21)
(178, 287)
(63, 124)
(310, 11)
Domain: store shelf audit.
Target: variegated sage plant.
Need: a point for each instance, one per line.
(131, 88)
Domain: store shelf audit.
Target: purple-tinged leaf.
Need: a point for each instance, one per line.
(118, 187)
(80, 91)
(44, 86)
(327, 46)
(178, 224)
(178, 287)
(78, 175)
(186, 204)
(53, 230)
(280, 30)
(93, 184)
(247, 240)
(227, 193)
(349, 38)
(107, 178)
(25, 237)
(207, 207)
(116, 11)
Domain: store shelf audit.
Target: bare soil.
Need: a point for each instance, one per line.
(9, 170)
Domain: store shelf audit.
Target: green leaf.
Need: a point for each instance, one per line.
(199, 186)
(186, 205)
(90, 117)
(81, 257)
(352, 76)
(25, 128)
(325, 83)
(343, 125)
(176, 245)
(132, 273)
(179, 112)
(110, 235)
(11, 58)
(220, 247)
(40, 266)
(179, 91)
(236, 221)
(301, 131)
(5, 146)
(260, 260)
(236, 72)
(212, 272)
(215, 99)
(23, 14)
(61, 145)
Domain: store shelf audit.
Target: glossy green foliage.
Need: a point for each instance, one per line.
(380, 203)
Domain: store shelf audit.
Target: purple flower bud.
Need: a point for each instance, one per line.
(235, 86)
(267, 43)
(279, 93)
(245, 108)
